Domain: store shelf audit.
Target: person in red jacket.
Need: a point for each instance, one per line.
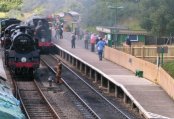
(92, 41)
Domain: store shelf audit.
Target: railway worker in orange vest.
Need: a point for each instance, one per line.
(59, 71)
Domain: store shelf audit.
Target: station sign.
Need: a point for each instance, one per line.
(162, 49)
(102, 29)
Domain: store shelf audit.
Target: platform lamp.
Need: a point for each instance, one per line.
(116, 29)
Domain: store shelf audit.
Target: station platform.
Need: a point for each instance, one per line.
(150, 96)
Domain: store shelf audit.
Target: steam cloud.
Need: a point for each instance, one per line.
(49, 6)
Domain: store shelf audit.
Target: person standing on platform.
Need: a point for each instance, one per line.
(97, 39)
(57, 31)
(73, 38)
(100, 47)
(128, 43)
(92, 41)
(77, 33)
(86, 40)
(61, 32)
(105, 40)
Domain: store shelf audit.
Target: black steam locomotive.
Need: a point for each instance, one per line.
(4, 23)
(42, 33)
(21, 55)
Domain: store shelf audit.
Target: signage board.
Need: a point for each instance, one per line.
(162, 49)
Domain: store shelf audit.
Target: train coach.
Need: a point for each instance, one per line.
(22, 56)
(42, 33)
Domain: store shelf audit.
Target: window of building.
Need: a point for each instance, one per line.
(133, 37)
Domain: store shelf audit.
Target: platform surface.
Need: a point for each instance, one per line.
(149, 95)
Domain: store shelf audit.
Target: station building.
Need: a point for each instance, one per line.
(117, 35)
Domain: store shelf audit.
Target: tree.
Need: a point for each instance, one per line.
(157, 16)
(7, 5)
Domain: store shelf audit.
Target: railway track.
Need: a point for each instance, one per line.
(97, 104)
(35, 104)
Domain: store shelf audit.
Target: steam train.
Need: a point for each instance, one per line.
(42, 33)
(4, 23)
(21, 54)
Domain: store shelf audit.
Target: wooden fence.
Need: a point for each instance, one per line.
(149, 53)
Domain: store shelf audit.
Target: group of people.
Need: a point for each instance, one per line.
(98, 42)
(59, 31)
(94, 40)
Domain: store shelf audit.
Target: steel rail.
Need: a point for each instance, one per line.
(55, 115)
(83, 102)
(95, 90)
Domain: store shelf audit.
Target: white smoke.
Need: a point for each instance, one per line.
(48, 6)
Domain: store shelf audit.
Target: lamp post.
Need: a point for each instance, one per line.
(115, 7)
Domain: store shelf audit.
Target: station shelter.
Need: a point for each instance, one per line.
(117, 35)
(70, 20)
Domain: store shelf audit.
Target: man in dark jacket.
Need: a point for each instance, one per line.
(73, 40)
(128, 42)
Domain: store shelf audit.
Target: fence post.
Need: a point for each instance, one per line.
(132, 51)
(143, 52)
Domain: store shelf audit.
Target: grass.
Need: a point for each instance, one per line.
(169, 67)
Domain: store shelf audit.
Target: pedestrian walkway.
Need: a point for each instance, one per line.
(150, 97)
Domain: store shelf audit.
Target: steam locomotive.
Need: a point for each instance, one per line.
(42, 33)
(4, 23)
(21, 54)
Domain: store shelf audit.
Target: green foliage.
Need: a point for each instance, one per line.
(146, 23)
(107, 13)
(133, 24)
(6, 5)
(169, 67)
(91, 29)
(99, 14)
(157, 17)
